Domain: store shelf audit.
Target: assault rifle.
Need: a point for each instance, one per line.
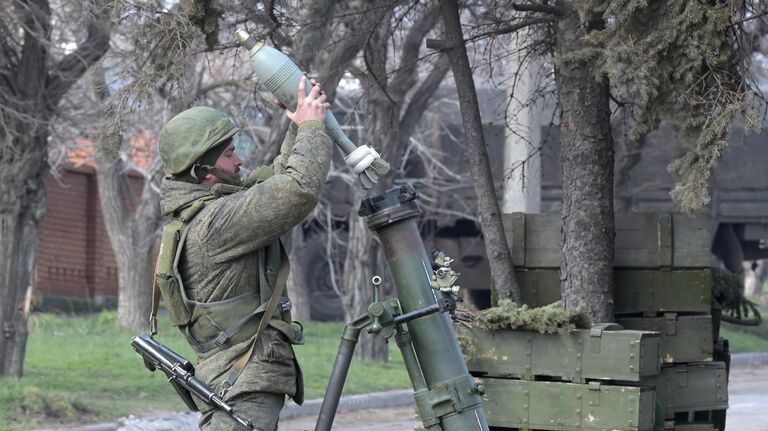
(181, 375)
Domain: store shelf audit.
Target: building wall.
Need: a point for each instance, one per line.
(74, 256)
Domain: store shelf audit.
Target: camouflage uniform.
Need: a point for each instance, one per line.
(219, 261)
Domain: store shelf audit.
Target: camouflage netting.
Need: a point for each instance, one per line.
(728, 294)
(508, 315)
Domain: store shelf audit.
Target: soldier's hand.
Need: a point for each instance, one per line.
(310, 106)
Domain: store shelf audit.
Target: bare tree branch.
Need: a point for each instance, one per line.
(422, 96)
(511, 28)
(238, 83)
(540, 8)
(749, 18)
(404, 77)
(74, 65)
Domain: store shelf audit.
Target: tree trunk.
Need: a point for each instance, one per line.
(22, 204)
(131, 223)
(587, 169)
(356, 282)
(488, 212)
(30, 91)
(134, 286)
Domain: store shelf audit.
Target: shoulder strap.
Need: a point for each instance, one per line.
(274, 300)
(185, 216)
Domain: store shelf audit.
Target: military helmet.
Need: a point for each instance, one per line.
(191, 134)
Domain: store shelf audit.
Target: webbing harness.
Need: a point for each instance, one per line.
(268, 308)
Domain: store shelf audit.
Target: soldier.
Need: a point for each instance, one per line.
(228, 257)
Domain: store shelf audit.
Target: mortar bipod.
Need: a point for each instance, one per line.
(385, 319)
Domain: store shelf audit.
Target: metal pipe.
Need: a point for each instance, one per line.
(415, 314)
(349, 339)
(393, 217)
(403, 339)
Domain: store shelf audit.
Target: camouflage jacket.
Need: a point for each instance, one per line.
(219, 259)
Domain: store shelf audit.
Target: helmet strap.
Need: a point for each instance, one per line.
(218, 173)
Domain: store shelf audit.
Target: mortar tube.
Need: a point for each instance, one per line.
(349, 338)
(393, 217)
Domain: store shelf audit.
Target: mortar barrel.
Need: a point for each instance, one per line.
(393, 216)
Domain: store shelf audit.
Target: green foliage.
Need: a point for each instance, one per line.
(82, 369)
(549, 319)
(728, 294)
(746, 338)
(675, 59)
(35, 403)
(205, 15)
(161, 48)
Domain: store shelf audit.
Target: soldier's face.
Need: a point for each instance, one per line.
(229, 162)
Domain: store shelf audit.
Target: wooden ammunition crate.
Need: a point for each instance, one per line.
(688, 388)
(693, 427)
(643, 240)
(683, 338)
(536, 405)
(638, 291)
(573, 356)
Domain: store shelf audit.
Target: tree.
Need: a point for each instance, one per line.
(652, 60)
(488, 212)
(128, 174)
(330, 21)
(586, 159)
(37, 70)
(131, 219)
(396, 95)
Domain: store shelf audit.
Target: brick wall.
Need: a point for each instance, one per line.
(74, 256)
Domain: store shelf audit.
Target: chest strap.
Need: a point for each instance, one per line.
(269, 311)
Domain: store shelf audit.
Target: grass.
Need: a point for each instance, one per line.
(743, 339)
(82, 369)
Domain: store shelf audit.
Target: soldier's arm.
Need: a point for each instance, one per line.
(251, 219)
(279, 164)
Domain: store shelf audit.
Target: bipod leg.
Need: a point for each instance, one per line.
(349, 339)
(403, 339)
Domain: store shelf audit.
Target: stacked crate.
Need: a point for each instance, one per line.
(583, 379)
(662, 284)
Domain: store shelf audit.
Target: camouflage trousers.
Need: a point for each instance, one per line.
(261, 408)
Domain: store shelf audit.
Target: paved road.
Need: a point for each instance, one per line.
(392, 419)
(748, 400)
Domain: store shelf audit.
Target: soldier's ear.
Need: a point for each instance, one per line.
(208, 179)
